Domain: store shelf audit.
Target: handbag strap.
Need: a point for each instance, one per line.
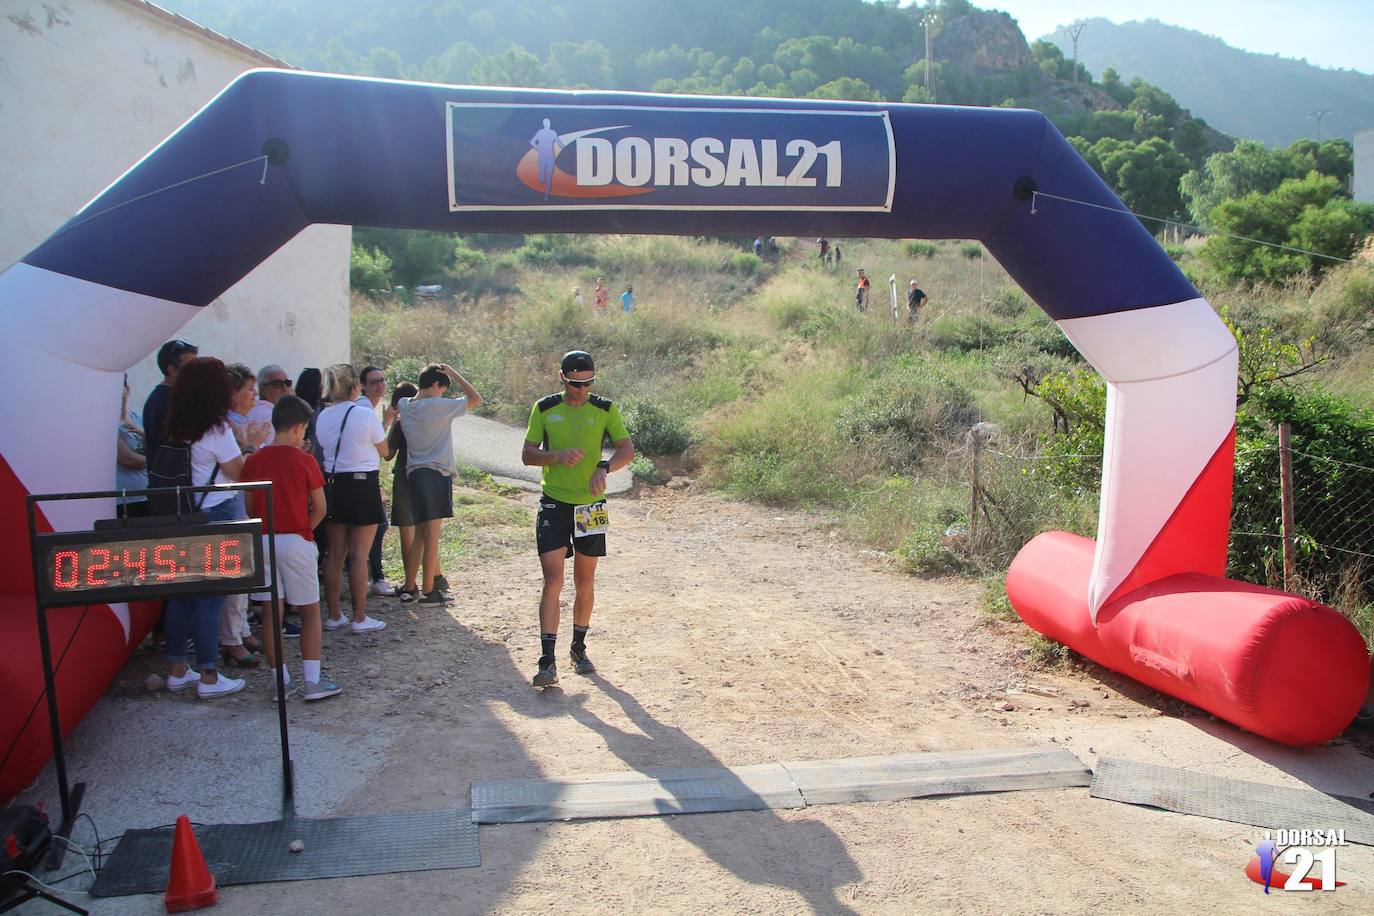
(338, 445)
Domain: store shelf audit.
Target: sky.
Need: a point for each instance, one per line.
(1328, 33)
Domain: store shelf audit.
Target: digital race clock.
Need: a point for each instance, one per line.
(134, 563)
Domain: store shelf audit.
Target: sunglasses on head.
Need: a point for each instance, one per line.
(580, 384)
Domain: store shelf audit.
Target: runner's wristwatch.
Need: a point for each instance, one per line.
(604, 465)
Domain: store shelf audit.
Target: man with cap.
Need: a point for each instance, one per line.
(171, 356)
(861, 291)
(915, 298)
(564, 438)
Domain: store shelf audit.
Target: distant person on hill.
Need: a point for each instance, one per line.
(915, 298)
(564, 438)
(580, 299)
(824, 245)
(601, 297)
(861, 291)
(627, 300)
(758, 247)
(838, 255)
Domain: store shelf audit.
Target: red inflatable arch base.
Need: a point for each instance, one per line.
(1279, 665)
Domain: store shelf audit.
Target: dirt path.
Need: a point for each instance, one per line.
(729, 634)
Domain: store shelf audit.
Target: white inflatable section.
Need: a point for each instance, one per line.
(1171, 402)
(84, 322)
(69, 341)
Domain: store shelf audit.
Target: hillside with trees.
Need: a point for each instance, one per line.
(1205, 74)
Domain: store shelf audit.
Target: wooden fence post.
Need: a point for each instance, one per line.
(974, 439)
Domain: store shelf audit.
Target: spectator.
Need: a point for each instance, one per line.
(353, 443)
(627, 300)
(601, 298)
(374, 389)
(758, 247)
(273, 384)
(299, 504)
(428, 421)
(309, 388)
(237, 645)
(401, 518)
(915, 298)
(198, 414)
(861, 291)
(838, 255)
(131, 461)
(824, 245)
(171, 356)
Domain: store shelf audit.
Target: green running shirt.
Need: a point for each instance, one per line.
(558, 426)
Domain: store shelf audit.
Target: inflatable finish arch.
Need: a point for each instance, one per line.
(277, 151)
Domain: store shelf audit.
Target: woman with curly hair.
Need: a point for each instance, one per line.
(352, 441)
(198, 415)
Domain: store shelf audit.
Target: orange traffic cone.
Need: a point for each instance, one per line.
(190, 885)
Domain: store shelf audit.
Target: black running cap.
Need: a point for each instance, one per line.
(577, 361)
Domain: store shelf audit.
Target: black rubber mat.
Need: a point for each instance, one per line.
(371, 844)
(1235, 800)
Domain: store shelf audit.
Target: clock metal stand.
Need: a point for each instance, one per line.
(102, 584)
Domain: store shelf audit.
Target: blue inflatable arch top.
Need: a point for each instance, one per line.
(277, 151)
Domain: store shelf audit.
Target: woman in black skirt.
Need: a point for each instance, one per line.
(352, 441)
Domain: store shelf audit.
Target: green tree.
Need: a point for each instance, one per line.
(846, 88)
(1144, 175)
(512, 67)
(579, 66)
(1251, 167)
(1306, 213)
(368, 270)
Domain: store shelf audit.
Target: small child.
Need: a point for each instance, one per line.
(298, 499)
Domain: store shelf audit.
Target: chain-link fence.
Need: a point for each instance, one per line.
(1015, 494)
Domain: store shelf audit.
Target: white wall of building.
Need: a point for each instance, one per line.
(87, 88)
(1364, 165)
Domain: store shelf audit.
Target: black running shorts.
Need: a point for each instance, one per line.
(553, 529)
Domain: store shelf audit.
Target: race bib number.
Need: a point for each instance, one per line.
(590, 519)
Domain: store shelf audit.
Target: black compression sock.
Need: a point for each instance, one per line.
(546, 646)
(579, 642)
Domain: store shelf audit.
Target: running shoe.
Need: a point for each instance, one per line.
(581, 663)
(547, 676)
(440, 583)
(320, 689)
(177, 684)
(409, 595)
(368, 625)
(290, 630)
(433, 598)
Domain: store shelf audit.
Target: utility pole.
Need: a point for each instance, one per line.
(928, 22)
(1318, 115)
(1074, 31)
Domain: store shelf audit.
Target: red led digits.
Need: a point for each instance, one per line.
(97, 573)
(230, 563)
(140, 564)
(167, 563)
(65, 578)
(209, 559)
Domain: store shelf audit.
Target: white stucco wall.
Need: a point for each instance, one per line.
(1364, 165)
(87, 88)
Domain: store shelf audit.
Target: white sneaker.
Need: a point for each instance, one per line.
(369, 625)
(222, 687)
(335, 623)
(382, 589)
(176, 684)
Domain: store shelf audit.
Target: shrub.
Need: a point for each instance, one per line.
(745, 263)
(1009, 302)
(656, 430)
(919, 248)
(971, 250)
(369, 271)
(566, 250)
(903, 412)
(642, 468)
(968, 332)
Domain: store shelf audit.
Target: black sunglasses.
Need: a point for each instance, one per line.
(278, 383)
(580, 384)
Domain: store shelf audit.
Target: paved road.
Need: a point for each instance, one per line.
(495, 448)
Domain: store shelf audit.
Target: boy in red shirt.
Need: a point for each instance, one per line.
(298, 499)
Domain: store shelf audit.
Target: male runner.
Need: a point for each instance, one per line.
(564, 438)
